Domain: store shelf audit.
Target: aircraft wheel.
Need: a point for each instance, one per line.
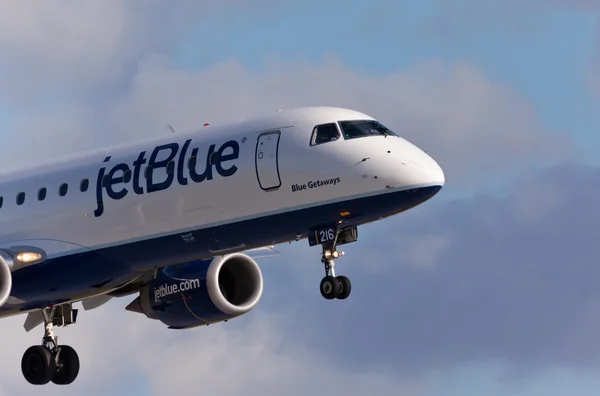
(345, 289)
(68, 366)
(330, 287)
(38, 365)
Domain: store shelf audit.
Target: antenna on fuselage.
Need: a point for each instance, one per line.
(171, 128)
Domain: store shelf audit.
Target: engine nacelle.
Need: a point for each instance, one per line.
(6, 265)
(202, 292)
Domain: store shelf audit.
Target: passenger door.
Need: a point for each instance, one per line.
(267, 160)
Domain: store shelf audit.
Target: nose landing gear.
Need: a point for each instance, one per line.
(332, 286)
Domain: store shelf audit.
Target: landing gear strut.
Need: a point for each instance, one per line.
(50, 361)
(333, 286)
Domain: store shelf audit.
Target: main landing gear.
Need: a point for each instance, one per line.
(50, 361)
(333, 286)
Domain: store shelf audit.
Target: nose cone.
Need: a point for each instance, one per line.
(421, 169)
(427, 174)
(411, 167)
(433, 173)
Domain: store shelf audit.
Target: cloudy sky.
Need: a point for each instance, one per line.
(489, 289)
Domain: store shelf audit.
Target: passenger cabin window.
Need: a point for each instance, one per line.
(85, 184)
(62, 191)
(324, 133)
(20, 198)
(42, 194)
(364, 128)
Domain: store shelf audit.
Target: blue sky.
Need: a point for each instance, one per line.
(487, 290)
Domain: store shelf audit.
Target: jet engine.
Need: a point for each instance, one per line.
(201, 292)
(6, 264)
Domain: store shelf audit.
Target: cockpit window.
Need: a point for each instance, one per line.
(324, 133)
(363, 128)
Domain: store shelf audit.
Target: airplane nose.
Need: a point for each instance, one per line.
(426, 171)
(435, 173)
(408, 166)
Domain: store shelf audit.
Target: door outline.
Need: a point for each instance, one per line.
(258, 141)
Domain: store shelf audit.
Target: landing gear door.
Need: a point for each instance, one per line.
(267, 160)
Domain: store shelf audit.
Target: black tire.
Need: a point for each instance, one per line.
(38, 365)
(68, 366)
(346, 288)
(330, 287)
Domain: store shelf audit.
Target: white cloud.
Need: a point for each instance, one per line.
(78, 50)
(422, 249)
(66, 46)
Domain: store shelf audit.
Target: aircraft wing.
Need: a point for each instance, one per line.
(263, 252)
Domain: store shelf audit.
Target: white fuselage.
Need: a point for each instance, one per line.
(294, 169)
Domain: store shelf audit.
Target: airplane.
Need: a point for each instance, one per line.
(179, 221)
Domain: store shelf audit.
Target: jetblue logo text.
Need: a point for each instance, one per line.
(170, 158)
(166, 290)
(315, 184)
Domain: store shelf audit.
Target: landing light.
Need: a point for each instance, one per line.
(28, 257)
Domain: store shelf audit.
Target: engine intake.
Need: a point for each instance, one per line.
(202, 292)
(6, 265)
(235, 283)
